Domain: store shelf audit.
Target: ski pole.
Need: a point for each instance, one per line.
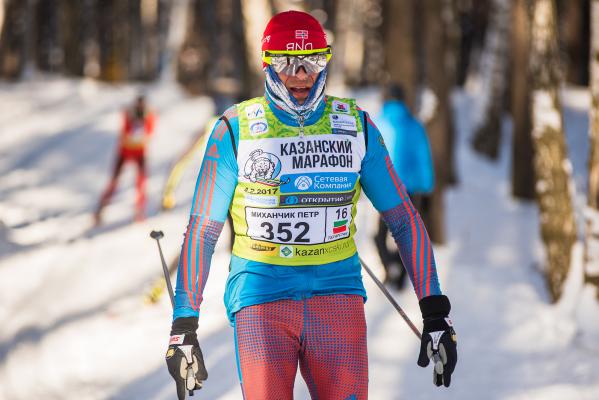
(437, 363)
(391, 299)
(157, 235)
(190, 381)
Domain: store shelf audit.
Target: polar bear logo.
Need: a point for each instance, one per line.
(261, 166)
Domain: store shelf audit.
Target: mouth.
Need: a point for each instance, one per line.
(300, 91)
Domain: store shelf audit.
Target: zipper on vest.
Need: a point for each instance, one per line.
(301, 121)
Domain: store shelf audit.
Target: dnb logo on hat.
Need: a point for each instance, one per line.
(301, 34)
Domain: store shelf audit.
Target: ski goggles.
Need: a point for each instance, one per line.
(289, 61)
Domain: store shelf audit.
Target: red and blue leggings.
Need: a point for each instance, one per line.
(326, 335)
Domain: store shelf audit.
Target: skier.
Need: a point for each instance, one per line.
(294, 292)
(138, 126)
(410, 153)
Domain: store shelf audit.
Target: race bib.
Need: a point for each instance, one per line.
(306, 225)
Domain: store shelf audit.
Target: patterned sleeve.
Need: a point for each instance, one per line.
(388, 195)
(212, 196)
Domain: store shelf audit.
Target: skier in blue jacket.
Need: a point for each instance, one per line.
(289, 167)
(409, 150)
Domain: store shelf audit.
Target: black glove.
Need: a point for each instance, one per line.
(439, 340)
(184, 357)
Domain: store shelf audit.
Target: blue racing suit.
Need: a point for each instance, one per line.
(251, 282)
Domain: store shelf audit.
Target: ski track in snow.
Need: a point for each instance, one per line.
(74, 325)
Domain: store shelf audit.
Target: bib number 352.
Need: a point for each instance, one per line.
(286, 232)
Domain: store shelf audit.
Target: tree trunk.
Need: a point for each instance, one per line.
(13, 39)
(337, 65)
(348, 55)
(450, 56)
(574, 29)
(256, 14)
(324, 12)
(213, 59)
(144, 31)
(78, 33)
(113, 39)
(1, 24)
(476, 25)
(73, 38)
(472, 17)
(165, 12)
(400, 47)
(48, 51)
(552, 166)
(439, 125)
(493, 72)
(194, 57)
(284, 5)
(137, 37)
(523, 178)
(452, 34)
(227, 71)
(592, 220)
(372, 72)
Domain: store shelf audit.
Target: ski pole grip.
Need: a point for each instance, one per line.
(156, 235)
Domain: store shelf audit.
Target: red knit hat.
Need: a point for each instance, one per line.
(293, 30)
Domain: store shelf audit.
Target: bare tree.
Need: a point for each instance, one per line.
(284, 5)
(400, 47)
(13, 39)
(256, 14)
(374, 52)
(573, 18)
(228, 71)
(451, 22)
(552, 166)
(113, 39)
(213, 59)
(493, 71)
(136, 35)
(48, 53)
(194, 56)
(80, 37)
(347, 62)
(145, 32)
(1, 23)
(523, 179)
(74, 38)
(449, 18)
(592, 228)
(472, 17)
(439, 126)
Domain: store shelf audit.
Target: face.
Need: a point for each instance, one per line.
(299, 85)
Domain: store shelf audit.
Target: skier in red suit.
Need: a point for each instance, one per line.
(138, 126)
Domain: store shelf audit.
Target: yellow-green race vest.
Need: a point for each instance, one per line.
(297, 190)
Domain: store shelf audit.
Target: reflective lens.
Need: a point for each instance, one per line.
(289, 64)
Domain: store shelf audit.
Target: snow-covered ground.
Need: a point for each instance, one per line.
(74, 325)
